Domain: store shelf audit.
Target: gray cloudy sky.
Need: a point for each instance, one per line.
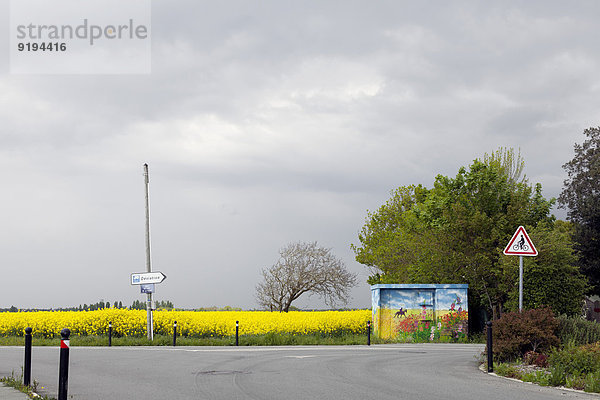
(266, 122)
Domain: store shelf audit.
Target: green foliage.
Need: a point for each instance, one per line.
(16, 383)
(575, 382)
(577, 331)
(540, 377)
(138, 305)
(576, 367)
(164, 305)
(592, 382)
(508, 370)
(456, 231)
(516, 371)
(516, 333)
(577, 360)
(92, 307)
(581, 197)
(96, 306)
(391, 236)
(558, 376)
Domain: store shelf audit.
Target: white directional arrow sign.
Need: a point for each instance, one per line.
(142, 278)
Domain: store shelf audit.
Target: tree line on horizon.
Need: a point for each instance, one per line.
(136, 305)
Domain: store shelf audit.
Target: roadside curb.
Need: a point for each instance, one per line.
(10, 393)
(482, 368)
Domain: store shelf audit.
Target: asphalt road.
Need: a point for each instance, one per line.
(420, 371)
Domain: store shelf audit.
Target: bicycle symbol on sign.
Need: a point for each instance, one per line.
(520, 245)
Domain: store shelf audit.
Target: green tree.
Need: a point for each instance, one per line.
(138, 305)
(391, 235)
(581, 197)
(456, 231)
(164, 305)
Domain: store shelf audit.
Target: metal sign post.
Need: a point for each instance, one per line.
(520, 283)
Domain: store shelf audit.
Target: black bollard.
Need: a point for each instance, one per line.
(63, 372)
(109, 334)
(27, 367)
(174, 333)
(368, 333)
(237, 333)
(490, 347)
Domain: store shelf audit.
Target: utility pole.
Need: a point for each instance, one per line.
(150, 322)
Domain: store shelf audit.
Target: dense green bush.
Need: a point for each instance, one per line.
(577, 330)
(577, 367)
(577, 360)
(516, 333)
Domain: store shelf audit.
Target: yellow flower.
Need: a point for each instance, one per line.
(48, 324)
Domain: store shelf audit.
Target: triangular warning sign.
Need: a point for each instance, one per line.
(520, 244)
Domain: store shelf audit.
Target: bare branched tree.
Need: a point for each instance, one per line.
(304, 268)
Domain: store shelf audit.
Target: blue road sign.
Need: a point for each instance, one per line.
(147, 288)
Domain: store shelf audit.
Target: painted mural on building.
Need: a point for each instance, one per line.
(420, 313)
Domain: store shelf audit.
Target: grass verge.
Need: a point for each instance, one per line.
(556, 375)
(269, 339)
(16, 383)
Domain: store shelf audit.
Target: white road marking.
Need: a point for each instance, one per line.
(299, 356)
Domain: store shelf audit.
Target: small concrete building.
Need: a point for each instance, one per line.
(420, 312)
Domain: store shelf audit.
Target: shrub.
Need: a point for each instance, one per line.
(541, 361)
(540, 377)
(577, 367)
(577, 330)
(537, 359)
(577, 360)
(592, 383)
(575, 382)
(516, 333)
(510, 371)
(558, 376)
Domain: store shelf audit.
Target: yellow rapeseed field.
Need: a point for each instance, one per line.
(197, 324)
